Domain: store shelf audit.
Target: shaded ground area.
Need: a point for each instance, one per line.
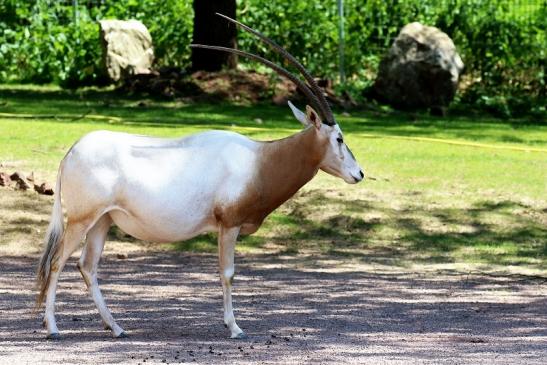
(400, 229)
(295, 310)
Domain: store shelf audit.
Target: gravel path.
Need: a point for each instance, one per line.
(295, 311)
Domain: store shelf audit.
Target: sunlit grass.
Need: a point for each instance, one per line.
(458, 189)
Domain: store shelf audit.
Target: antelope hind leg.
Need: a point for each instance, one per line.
(74, 233)
(88, 264)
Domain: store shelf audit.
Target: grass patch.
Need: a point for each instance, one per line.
(203, 243)
(458, 189)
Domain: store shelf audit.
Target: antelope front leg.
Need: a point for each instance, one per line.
(226, 245)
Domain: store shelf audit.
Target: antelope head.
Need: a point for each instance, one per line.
(338, 159)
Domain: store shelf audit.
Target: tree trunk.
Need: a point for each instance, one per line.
(210, 29)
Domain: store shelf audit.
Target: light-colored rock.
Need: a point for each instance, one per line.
(421, 69)
(127, 48)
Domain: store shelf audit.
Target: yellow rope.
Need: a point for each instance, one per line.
(456, 142)
(60, 116)
(261, 129)
(420, 139)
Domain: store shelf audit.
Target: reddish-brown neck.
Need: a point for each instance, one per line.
(288, 164)
(283, 167)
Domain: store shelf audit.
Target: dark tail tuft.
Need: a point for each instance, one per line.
(44, 267)
(52, 245)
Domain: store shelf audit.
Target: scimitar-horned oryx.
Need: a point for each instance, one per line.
(167, 190)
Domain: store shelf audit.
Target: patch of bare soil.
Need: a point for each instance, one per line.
(295, 310)
(228, 85)
(235, 86)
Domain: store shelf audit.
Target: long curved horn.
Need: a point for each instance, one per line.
(302, 86)
(324, 105)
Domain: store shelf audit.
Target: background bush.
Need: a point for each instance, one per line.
(42, 41)
(502, 42)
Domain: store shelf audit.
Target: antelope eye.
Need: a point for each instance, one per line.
(340, 140)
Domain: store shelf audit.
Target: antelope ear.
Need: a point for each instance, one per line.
(298, 114)
(313, 117)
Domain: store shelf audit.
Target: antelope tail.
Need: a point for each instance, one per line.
(52, 241)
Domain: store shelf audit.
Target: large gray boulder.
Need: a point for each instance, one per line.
(421, 69)
(127, 48)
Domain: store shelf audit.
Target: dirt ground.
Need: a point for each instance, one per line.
(295, 310)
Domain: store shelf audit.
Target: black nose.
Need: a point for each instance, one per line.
(361, 173)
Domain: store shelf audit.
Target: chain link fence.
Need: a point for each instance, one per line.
(502, 42)
(69, 12)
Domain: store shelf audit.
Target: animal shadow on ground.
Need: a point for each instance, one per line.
(292, 308)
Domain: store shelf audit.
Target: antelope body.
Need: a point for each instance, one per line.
(169, 190)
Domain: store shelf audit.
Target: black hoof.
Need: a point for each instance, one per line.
(107, 327)
(53, 336)
(240, 336)
(122, 335)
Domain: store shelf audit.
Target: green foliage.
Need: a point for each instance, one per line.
(48, 47)
(503, 49)
(45, 41)
(306, 29)
(504, 53)
(502, 46)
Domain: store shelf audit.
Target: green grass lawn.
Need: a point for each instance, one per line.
(456, 190)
